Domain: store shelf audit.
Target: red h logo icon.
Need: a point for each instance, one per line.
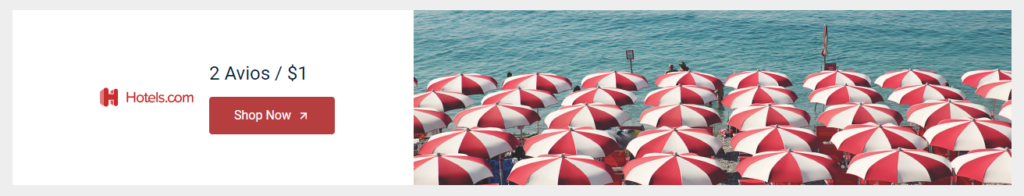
(108, 97)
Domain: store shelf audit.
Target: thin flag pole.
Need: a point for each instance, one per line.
(824, 48)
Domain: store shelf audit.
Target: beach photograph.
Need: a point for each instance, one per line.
(712, 97)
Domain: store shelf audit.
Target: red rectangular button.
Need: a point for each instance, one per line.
(271, 115)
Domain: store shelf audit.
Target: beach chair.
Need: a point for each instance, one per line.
(825, 133)
(617, 178)
(747, 181)
(832, 152)
(830, 67)
(616, 159)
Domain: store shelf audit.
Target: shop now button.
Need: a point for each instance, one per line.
(271, 115)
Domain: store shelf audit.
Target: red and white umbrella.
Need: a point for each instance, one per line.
(449, 169)
(761, 115)
(469, 84)
(902, 78)
(837, 77)
(832, 95)
(689, 78)
(775, 138)
(603, 95)
(538, 81)
(969, 134)
(929, 113)
(615, 79)
(674, 169)
(754, 78)
(572, 141)
(920, 93)
(527, 97)
(441, 100)
(673, 95)
(871, 137)
(679, 139)
(680, 115)
(561, 170)
(899, 166)
(498, 116)
(982, 76)
(1001, 90)
(426, 119)
(985, 165)
(1007, 110)
(600, 116)
(840, 116)
(789, 166)
(758, 94)
(485, 143)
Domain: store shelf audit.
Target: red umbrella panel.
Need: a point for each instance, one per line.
(478, 142)
(836, 78)
(441, 100)
(689, 78)
(687, 94)
(615, 79)
(775, 138)
(426, 119)
(900, 166)
(758, 94)
(920, 93)
(573, 141)
(761, 115)
(561, 170)
(527, 97)
(679, 140)
(680, 115)
(674, 169)
(870, 137)
(601, 95)
(1001, 90)
(902, 78)
(538, 81)
(840, 116)
(599, 116)
(844, 94)
(789, 167)
(498, 116)
(969, 134)
(759, 77)
(469, 84)
(985, 165)
(929, 113)
(449, 169)
(982, 76)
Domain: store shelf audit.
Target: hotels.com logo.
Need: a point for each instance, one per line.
(109, 97)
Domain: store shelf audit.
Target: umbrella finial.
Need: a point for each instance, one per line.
(674, 153)
(562, 155)
(438, 154)
(776, 126)
(789, 149)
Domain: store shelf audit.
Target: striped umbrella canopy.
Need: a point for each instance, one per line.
(498, 116)
(674, 169)
(982, 76)
(840, 116)
(758, 94)
(916, 94)
(485, 143)
(561, 169)
(929, 113)
(754, 78)
(441, 100)
(680, 115)
(832, 95)
(1006, 110)
(572, 141)
(985, 165)
(899, 166)
(469, 84)
(761, 115)
(538, 81)
(689, 78)
(615, 79)
(969, 134)
(527, 97)
(677, 139)
(673, 95)
(834, 78)
(775, 138)
(789, 166)
(612, 96)
(600, 116)
(870, 137)
(1001, 90)
(449, 169)
(910, 77)
(426, 119)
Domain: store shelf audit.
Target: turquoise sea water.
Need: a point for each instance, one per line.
(577, 43)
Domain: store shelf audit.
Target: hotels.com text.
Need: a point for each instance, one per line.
(158, 98)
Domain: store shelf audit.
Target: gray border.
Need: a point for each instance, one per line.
(5, 151)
